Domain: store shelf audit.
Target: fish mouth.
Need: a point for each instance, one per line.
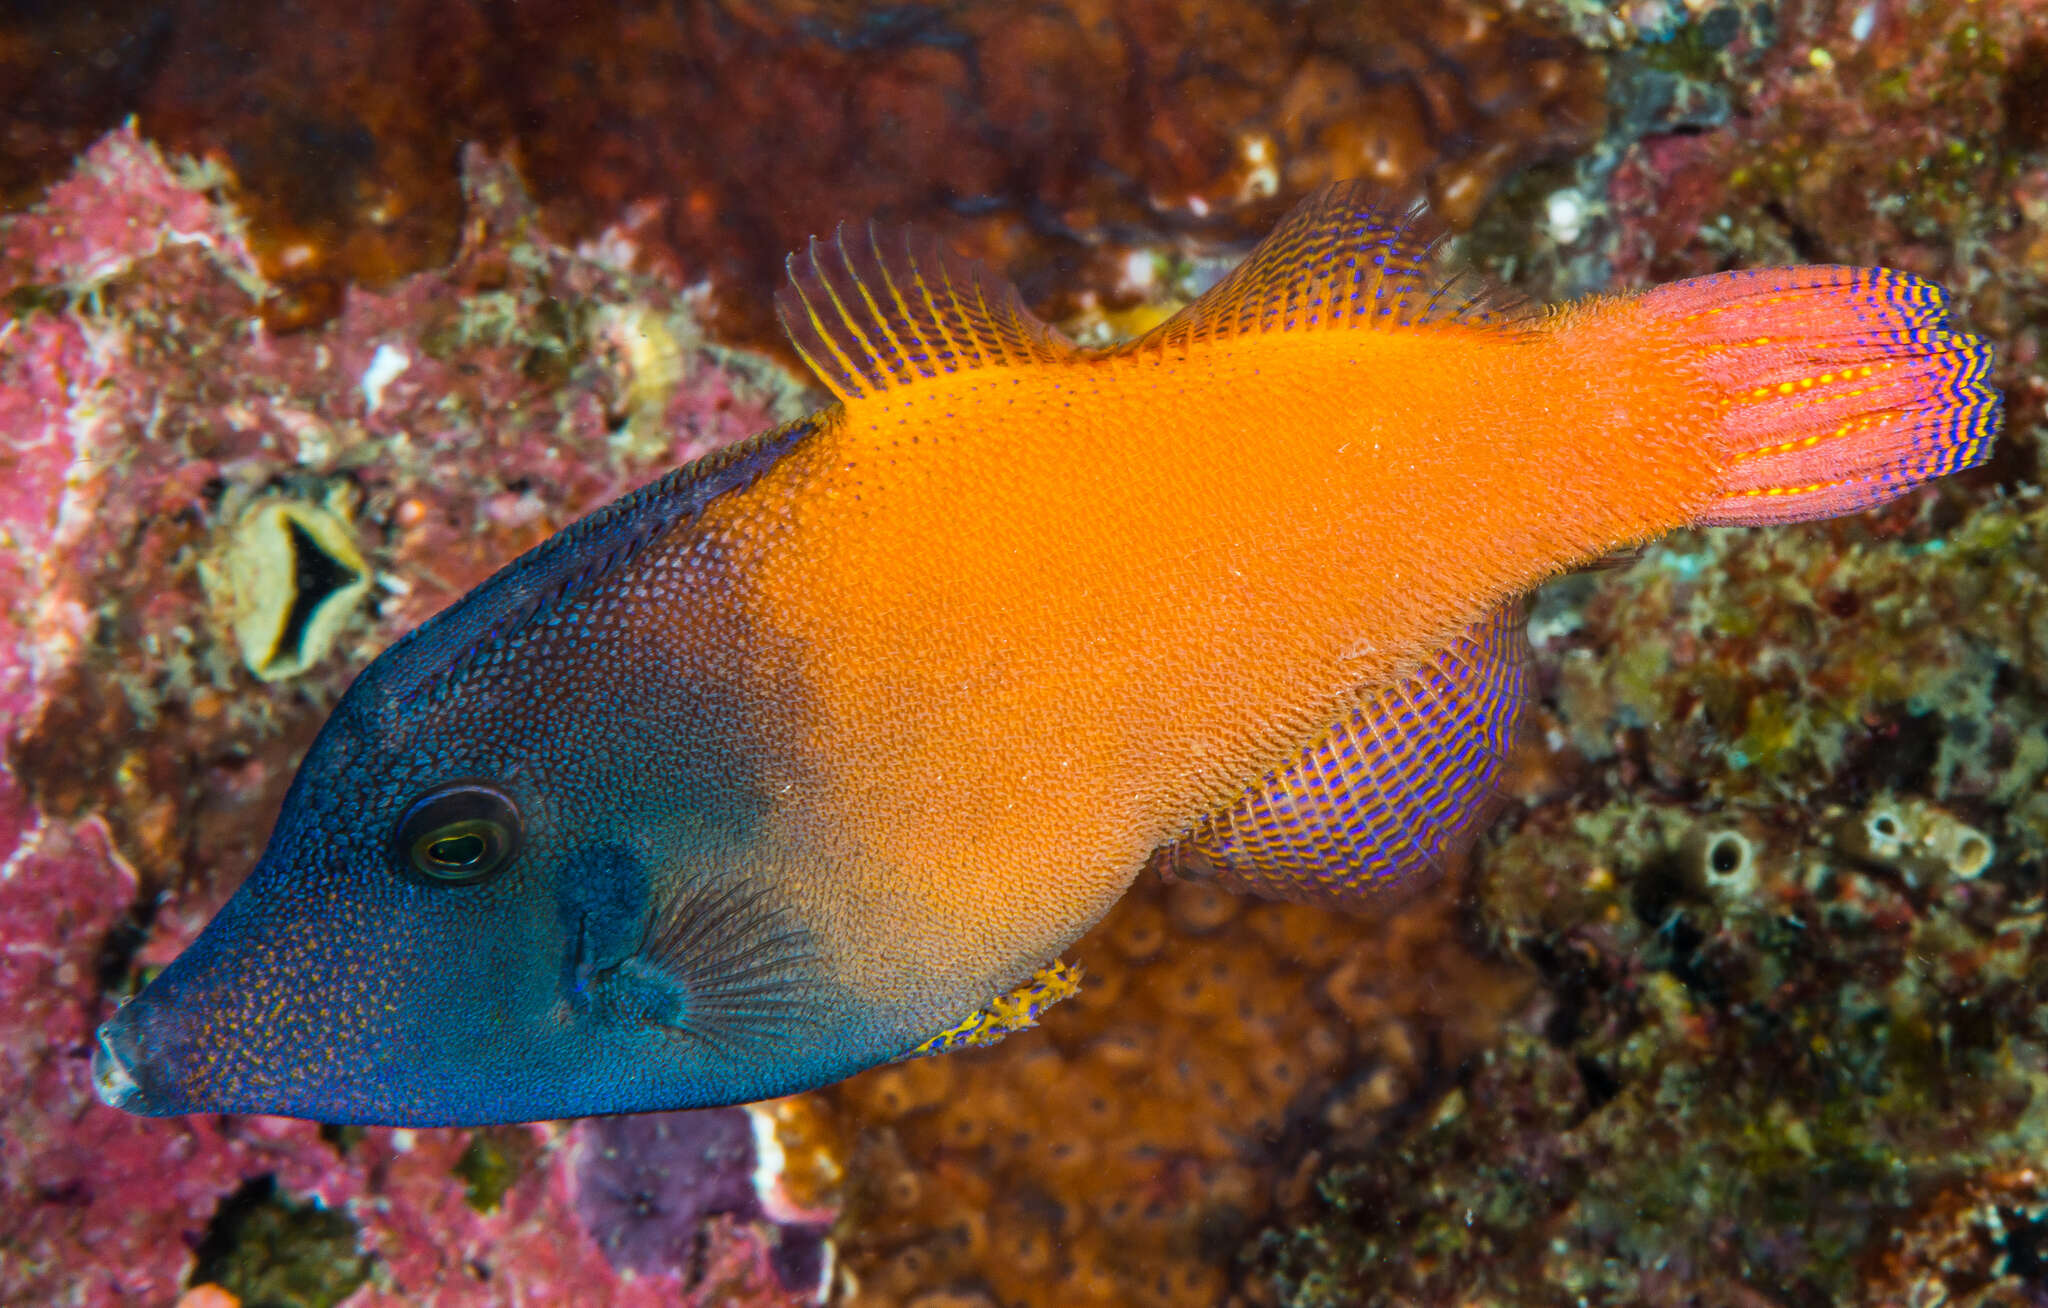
(126, 1073)
(116, 1085)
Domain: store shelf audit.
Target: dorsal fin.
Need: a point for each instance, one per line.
(1350, 256)
(870, 310)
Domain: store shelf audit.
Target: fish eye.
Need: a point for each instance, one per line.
(457, 835)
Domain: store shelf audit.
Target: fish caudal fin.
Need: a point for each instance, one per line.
(1841, 388)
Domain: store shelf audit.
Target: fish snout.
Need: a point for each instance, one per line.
(110, 1075)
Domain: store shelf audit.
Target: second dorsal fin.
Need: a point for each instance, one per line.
(870, 310)
(1350, 256)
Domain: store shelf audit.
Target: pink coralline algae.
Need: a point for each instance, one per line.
(153, 708)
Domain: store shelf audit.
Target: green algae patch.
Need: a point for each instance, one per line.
(1770, 1097)
(271, 1251)
(494, 1162)
(1785, 908)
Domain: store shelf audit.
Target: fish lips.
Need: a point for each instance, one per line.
(124, 1063)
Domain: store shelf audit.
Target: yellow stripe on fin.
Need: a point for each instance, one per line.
(870, 311)
(1348, 257)
(1017, 1011)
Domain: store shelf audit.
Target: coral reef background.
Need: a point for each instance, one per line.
(729, 132)
(1739, 1003)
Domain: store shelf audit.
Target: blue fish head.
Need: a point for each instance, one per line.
(512, 879)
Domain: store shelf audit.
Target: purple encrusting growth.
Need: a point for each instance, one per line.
(645, 1185)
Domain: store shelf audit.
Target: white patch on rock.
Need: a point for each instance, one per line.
(1565, 215)
(386, 365)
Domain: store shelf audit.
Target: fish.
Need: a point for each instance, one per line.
(817, 753)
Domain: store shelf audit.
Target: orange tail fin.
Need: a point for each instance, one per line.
(1841, 387)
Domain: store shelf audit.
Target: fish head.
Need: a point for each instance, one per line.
(519, 890)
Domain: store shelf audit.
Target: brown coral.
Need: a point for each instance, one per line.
(1029, 134)
(1979, 1242)
(1115, 1154)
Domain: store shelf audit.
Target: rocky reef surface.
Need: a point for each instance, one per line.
(1049, 138)
(1776, 865)
(205, 529)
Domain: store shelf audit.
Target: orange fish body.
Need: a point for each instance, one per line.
(816, 754)
(1053, 608)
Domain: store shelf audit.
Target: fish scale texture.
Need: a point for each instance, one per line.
(963, 563)
(1305, 486)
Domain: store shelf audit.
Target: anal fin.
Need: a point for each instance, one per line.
(1385, 797)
